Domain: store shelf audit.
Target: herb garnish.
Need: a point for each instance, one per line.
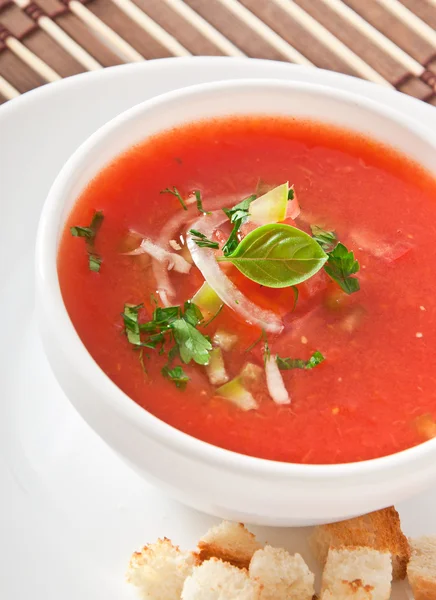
(326, 239)
(291, 193)
(199, 202)
(89, 233)
(277, 256)
(341, 265)
(173, 323)
(213, 317)
(238, 215)
(131, 325)
(266, 350)
(296, 294)
(175, 192)
(286, 364)
(177, 375)
(201, 240)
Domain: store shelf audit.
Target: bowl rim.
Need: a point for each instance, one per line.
(50, 296)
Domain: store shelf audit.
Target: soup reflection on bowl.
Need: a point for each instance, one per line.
(251, 263)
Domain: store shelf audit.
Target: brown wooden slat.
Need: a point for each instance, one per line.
(415, 87)
(283, 24)
(84, 36)
(51, 53)
(17, 73)
(79, 32)
(128, 29)
(423, 9)
(39, 42)
(188, 35)
(236, 31)
(18, 23)
(393, 28)
(359, 43)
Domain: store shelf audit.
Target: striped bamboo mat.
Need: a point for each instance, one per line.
(391, 42)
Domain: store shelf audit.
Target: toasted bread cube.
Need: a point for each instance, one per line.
(422, 568)
(218, 580)
(357, 574)
(159, 570)
(380, 530)
(231, 542)
(282, 575)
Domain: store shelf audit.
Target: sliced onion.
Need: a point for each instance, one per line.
(170, 260)
(204, 259)
(164, 287)
(274, 381)
(381, 249)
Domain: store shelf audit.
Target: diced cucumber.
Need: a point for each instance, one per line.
(207, 300)
(235, 392)
(271, 207)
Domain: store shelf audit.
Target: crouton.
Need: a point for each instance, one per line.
(231, 542)
(357, 574)
(380, 530)
(422, 568)
(160, 569)
(282, 575)
(217, 580)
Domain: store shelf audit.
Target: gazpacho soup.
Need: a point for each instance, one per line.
(263, 284)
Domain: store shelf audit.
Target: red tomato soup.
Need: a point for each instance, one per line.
(365, 382)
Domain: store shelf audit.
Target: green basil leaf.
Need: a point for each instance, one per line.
(277, 256)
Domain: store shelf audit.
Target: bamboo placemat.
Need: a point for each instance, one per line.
(387, 41)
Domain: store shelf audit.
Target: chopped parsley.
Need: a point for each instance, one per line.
(192, 344)
(285, 364)
(94, 262)
(176, 324)
(177, 375)
(89, 233)
(201, 240)
(131, 325)
(340, 266)
(199, 202)
(291, 194)
(341, 263)
(175, 192)
(238, 215)
(326, 239)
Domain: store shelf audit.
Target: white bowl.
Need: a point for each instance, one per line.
(208, 478)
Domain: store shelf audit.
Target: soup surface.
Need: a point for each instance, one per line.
(369, 389)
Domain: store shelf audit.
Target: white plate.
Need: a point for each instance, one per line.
(70, 512)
